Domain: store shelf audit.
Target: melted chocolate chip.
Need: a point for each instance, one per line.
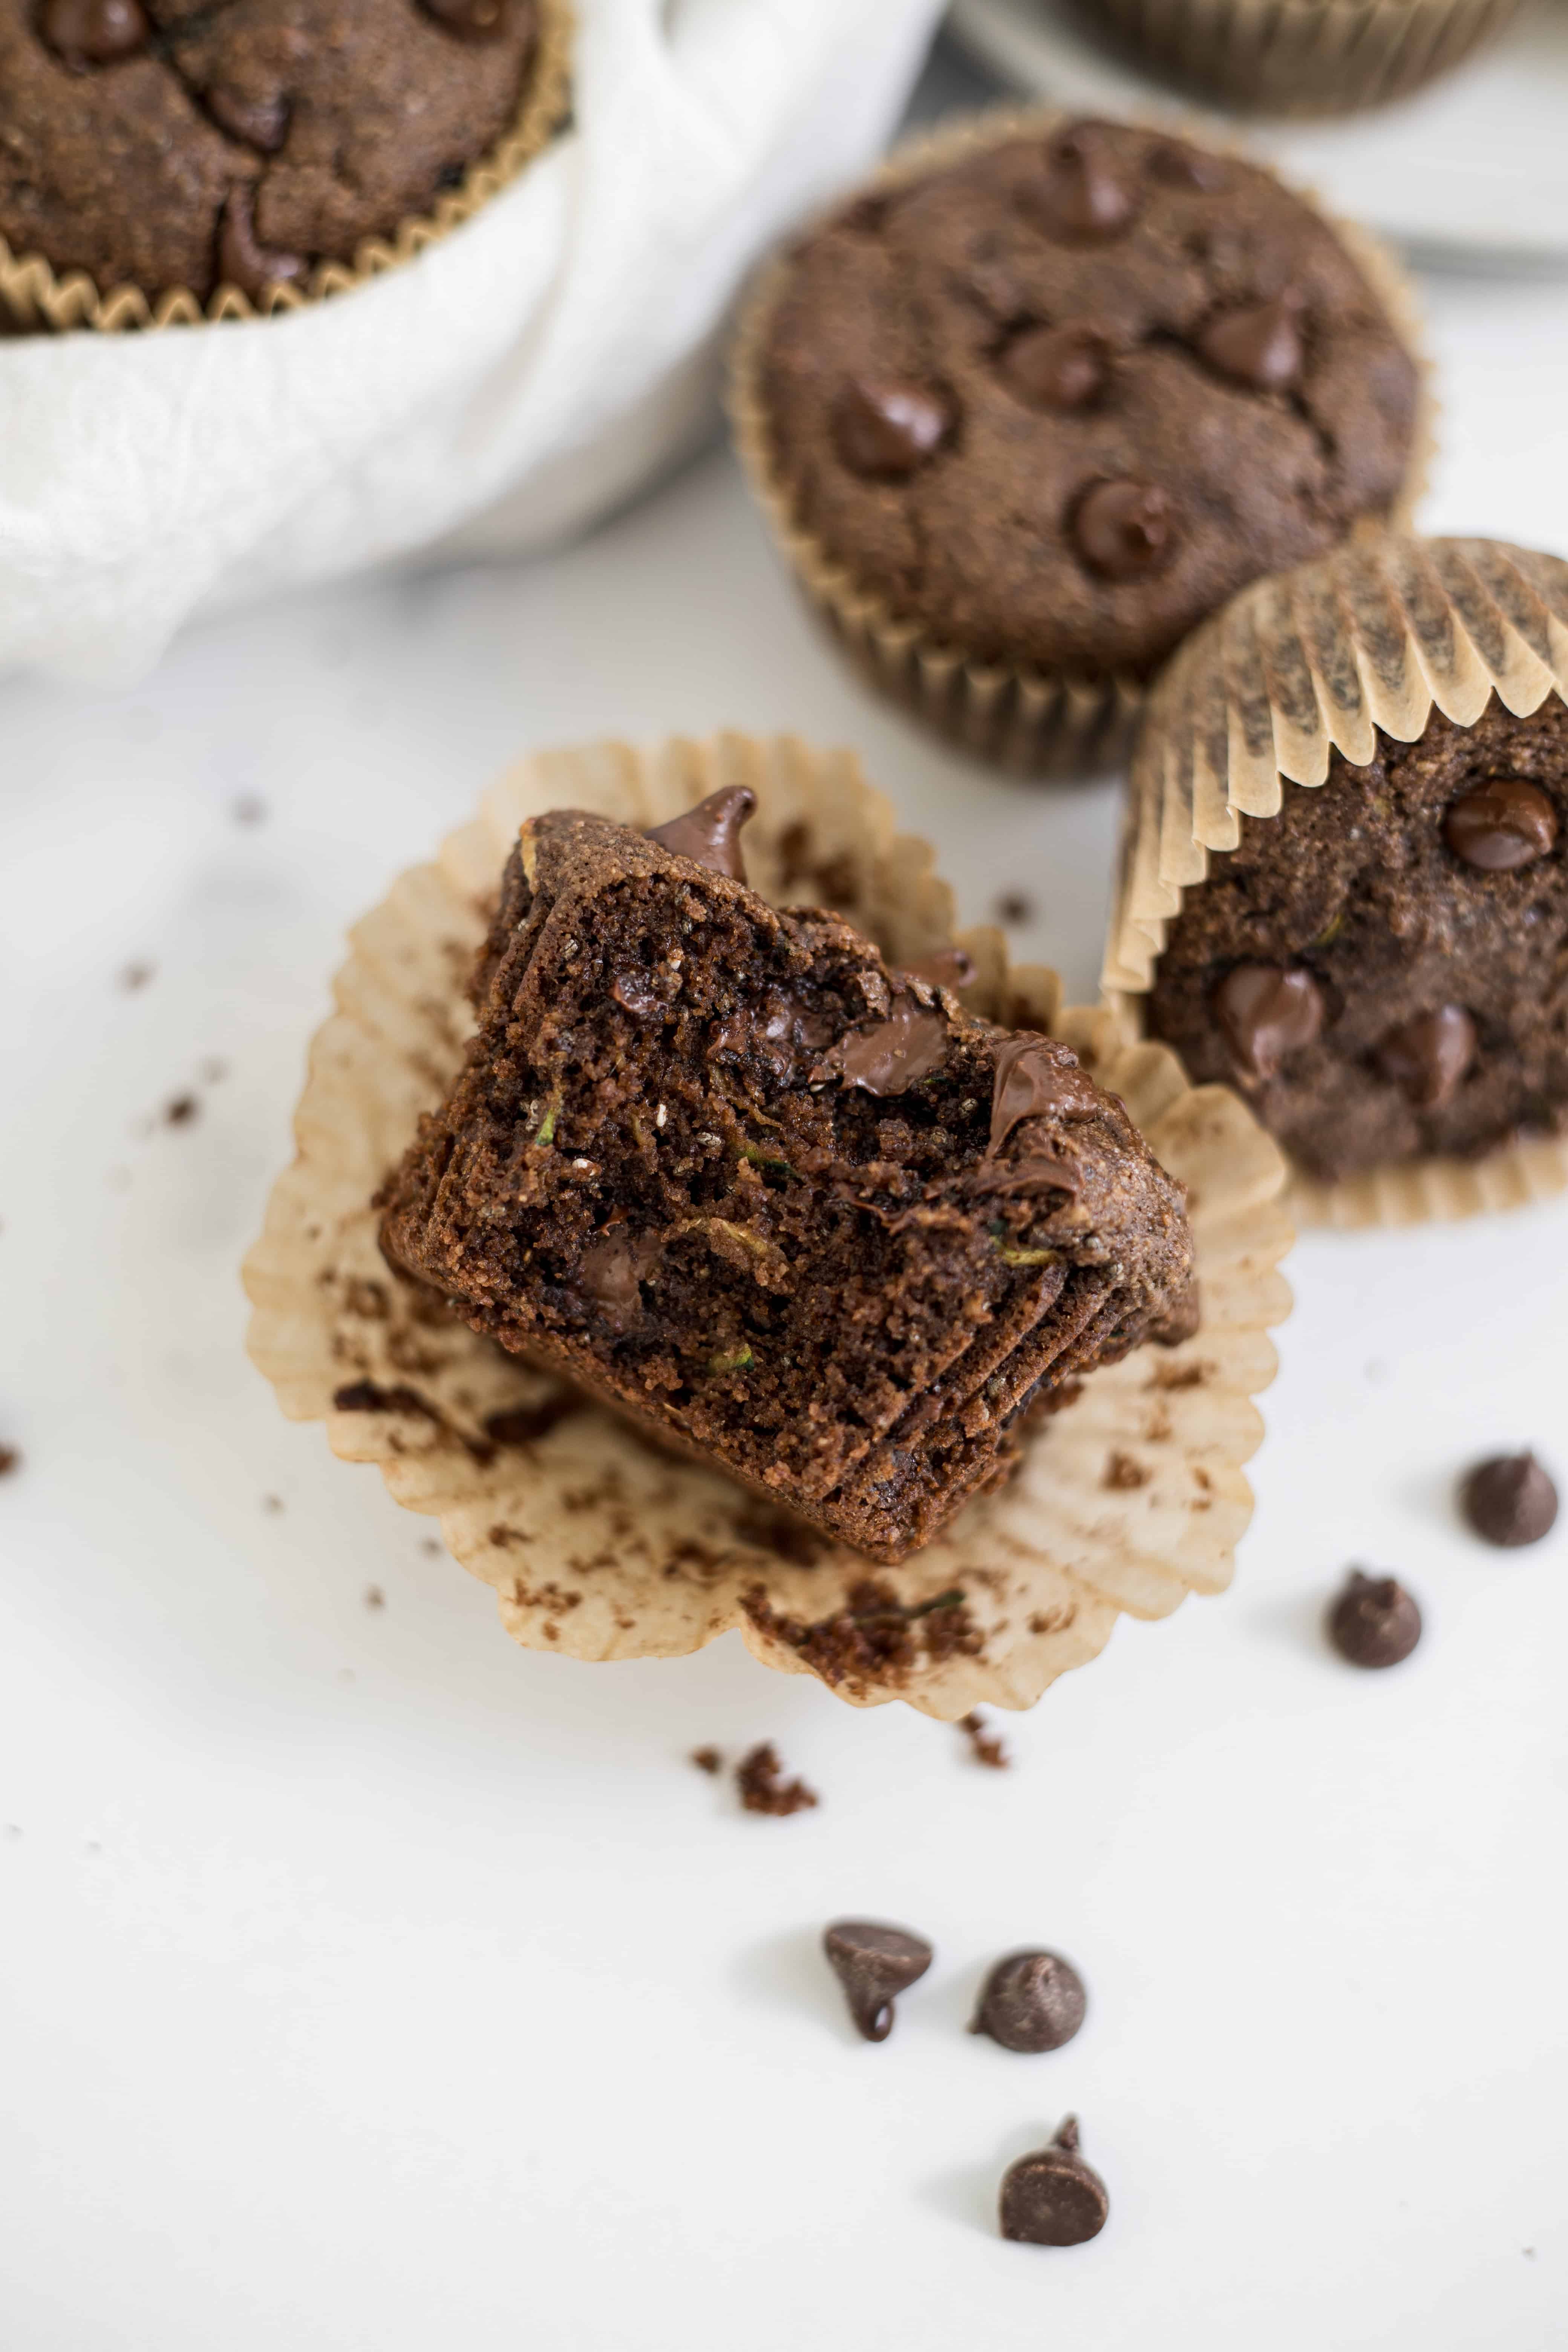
(1082, 198)
(1062, 368)
(1035, 1079)
(909, 1045)
(1503, 824)
(1053, 2198)
(1375, 1621)
(709, 833)
(1510, 1500)
(84, 33)
(241, 261)
(614, 1268)
(470, 20)
(1260, 345)
(260, 122)
(1266, 1012)
(873, 1963)
(947, 968)
(888, 429)
(1042, 1171)
(1426, 1058)
(1124, 529)
(1031, 2001)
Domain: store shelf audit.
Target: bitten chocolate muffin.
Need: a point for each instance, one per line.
(794, 1210)
(196, 143)
(1054, 402)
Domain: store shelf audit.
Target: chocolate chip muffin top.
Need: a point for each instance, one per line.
(1060, 400)
(169, 143)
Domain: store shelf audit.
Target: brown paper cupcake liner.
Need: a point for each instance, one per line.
(1035, 721)
(1308, 56)
(601, 1545)
(36, 298)
(1293, 670)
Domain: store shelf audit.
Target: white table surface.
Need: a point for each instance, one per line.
(365, 1982)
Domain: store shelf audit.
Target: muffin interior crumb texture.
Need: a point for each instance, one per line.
(798, 1214)
(1382, 967)
(1061, 399)
(194, 144)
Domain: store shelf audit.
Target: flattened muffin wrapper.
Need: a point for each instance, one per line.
(1256, 702)
(1308, 57)
(1033, 720)
(601, 1544)
(36, 298)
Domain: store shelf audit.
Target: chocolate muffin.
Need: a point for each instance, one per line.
(1380, 964)
(192, 144)
(1049, 403)
(796, 1212)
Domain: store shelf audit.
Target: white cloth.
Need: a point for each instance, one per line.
(514, 382)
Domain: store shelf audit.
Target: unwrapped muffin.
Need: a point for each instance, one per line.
(1048, 392)
(1379, 964)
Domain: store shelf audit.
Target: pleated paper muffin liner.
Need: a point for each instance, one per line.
(1375, 637)
(601, 1544)
(1033, 720)
(34, 297)
(1308, 57)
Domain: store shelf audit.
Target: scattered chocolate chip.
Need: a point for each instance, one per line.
(1185, 167)
(248, 810)
(709, 833)
(135, 976)
(1053, 2198)
(1260, 345)
(1510, 1500)
(1062, 368)
(242, 261)
(1428, 1057)
(10, 1460)
(1013, 906)
(374, 1598)
(259, 122)
(983, 1744)
(86, 33)
(1031, 2001)
(947, 968)
(1124, 529)
(759, 1777)
(1035, 1079)
(1081, 197)
(181, 1111)
(1503, 824)
(873, 1963)
(1375, 1621)
(909, 1045)
(1266, 1012)
(888, 429)
(708, 1759)
(470, 20)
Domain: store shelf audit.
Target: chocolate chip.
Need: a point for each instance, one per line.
(709, 833)
(1375, 1621)
(1053, 2198)
(873, 1963)
(1035, 1079)
(470, 20)
(614, 1268)
(1014, 907)
(887, 429)
(94, 32)
(1260, 345)
(1510, 1500)
(946, 967)
(1031, 2001)
(1428, 1057)
(1059, 367)
(1042, 1171)
(1081, 197)
(242, 261)
(1503, 824)
(181, 1111)
(1124, 529)
(259, 122)
(1266, 1012)
(909, 1045)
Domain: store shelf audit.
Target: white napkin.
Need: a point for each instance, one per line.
(502, 390)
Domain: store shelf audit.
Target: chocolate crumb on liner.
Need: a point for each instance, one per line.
(1376, 637)
(34, 297)
(600, 1544)
(1032, 721)
(1308, 57)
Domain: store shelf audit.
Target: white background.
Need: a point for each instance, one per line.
(365, 1982)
